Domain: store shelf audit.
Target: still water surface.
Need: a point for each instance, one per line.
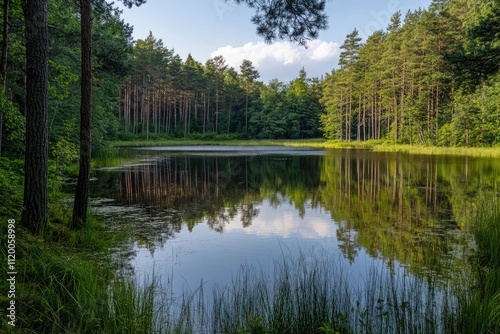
(202, 212)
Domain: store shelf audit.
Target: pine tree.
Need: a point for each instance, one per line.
(347, 62)
(83, 183)
(248, 75)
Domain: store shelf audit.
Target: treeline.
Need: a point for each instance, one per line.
(430, 78)
(142, 89)
(164, 95)
(112, 44)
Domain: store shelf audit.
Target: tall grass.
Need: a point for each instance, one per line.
(303, 296)
(480, 302)
(66, 283)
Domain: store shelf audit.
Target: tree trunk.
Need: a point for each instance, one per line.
(217, 111)
(246, 113)
(395, 107)
(34, 216)
(83, 184)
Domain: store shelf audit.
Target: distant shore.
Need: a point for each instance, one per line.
(375, 146)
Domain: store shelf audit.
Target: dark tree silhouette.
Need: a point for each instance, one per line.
(34, 216)
(83, 184)
(296, 20)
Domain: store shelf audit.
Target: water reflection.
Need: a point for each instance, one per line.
(399, 208)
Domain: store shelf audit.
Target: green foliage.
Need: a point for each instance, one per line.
(478, 56)
(476, 120)
(11, 188)
(412, 84)
(62, 80)
(325, 328)
(13, 127)
(64, 152)
(255, 326)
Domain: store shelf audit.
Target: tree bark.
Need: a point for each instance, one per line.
(34, 216)
(83, 184)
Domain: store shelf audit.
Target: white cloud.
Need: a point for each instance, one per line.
(286, 224)
(321, 50)
(280, 54)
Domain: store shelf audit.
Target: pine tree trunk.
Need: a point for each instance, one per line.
(395, 107)
(217, 111)
(135, 126)
(34, 216)
(229, 116)
(349, 121)
(341, 116)
(437, 111)
(246, 113)
(83, 184)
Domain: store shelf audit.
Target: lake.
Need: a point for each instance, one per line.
(201, 213)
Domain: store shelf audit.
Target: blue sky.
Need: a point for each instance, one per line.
(206, 28)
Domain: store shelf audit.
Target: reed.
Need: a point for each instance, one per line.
(304, 296)
(480, 299)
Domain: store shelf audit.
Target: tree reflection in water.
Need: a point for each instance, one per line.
(402, 208)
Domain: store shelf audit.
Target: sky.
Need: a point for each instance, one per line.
(207, 28)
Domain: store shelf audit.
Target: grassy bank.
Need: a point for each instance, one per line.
(70, 282)
(375, 146)
(381, 146)
(66, 281)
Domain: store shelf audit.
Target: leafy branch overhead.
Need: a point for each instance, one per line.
(298, 21)
(130, 3)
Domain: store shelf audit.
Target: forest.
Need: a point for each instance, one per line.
(430, 78)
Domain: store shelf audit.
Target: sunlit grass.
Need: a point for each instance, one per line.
(487, 152)
(382, 146)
